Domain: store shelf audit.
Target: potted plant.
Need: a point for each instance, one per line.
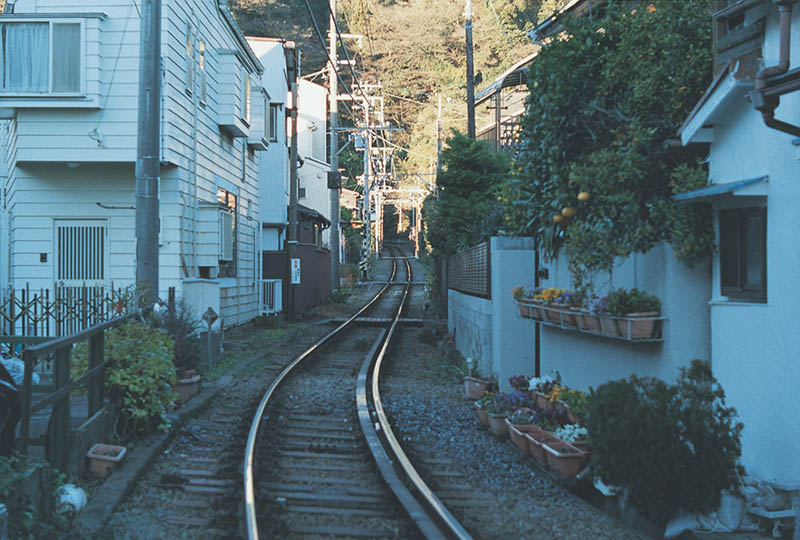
(519, 423)
(500, 407)
(632, 305)
(574, 434)
(540, 387)
(536, 437)
(564, 457)
(181, 326)
(481, 405)
(527, 302)
(594, 307)
(474, 384)
(548, 297)
(577, 405)
(566, 302)
(104, 458)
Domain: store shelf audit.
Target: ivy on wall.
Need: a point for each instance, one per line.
(605, 98)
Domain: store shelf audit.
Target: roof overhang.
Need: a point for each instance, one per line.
(513, 76)
(750, 187)
(724, 89)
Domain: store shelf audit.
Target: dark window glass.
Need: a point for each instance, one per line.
(742, 253)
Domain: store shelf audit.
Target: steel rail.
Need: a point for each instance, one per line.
(432, 517)
(251, 524)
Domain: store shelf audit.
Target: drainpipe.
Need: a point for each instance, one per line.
(766, 105)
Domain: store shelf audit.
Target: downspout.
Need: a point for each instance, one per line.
(766, 105)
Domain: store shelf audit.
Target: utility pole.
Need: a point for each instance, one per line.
(333, 123)
(367, 166)
(148, 167)
(439, 136)
(470, 76)
(291, 240)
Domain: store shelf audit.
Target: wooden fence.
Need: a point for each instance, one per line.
(470, 271)
(60, 312)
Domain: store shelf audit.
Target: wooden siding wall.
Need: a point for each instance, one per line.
(39, 193)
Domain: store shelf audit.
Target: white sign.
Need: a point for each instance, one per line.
(295, 271)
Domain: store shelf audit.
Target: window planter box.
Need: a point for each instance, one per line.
(529, 309)
(564, 458)
(635, 327)
(497, 425)
(517, 433)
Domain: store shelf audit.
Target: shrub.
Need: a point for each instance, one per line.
(673, 447)
(621, 302)
(25, 520)
(138, 380)
(180, 325)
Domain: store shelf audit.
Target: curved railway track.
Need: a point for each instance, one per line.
(318, 466)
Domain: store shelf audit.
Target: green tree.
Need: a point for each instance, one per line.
(467, 211)
(602, 106)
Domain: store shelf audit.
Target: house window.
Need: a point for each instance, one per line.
(227, 200)
(743, 253)
(246, 104)
(201, 49)
(41, 57)
(274, 109)
(189, 60)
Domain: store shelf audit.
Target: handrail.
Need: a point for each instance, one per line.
(59, 398)
(250, 521)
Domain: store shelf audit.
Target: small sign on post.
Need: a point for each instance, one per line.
(210, 316)
(295, 272)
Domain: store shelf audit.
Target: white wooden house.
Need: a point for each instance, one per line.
(70, 81)
(754, 189)
(312, 143)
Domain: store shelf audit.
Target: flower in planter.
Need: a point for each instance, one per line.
(538, 384)
(572, 433)
(518, 292)
(596, 305)
(519, 382)
(576, 401)
(566, 298)
(549, 295)
(546, 420)
(523, 417)
(555, 392)
(484, 401)
(622, 302)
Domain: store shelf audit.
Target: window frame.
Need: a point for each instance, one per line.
(202, 58)
(188, 79)
(740, 291)
(230, 204)
(81, 92)
(246, 110)
(273, 121)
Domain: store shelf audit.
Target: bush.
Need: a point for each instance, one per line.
(621, 302)
(180, 325)
(25, 520)
(138, 380)
(673, 447)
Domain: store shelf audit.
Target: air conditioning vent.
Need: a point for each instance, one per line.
(225, 235)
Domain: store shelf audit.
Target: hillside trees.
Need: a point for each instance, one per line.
(602, 106)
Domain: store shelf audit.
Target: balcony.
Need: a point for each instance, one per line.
(51, 60)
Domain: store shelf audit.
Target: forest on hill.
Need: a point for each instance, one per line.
(414, 48)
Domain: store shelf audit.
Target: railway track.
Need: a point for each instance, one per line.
(321, 459)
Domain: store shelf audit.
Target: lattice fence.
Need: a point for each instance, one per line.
(61, 312)
(469, 271)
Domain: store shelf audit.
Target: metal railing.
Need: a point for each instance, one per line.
(271, 296)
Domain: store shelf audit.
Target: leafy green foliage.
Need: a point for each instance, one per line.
(621, 302)
(180, 326)
(25, 520)
(672, 446)
(466, 211)
(602, 105)
(137, 383)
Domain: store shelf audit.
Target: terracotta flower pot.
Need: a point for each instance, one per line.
(524, 309)
(483, 416)
(552, 313)
(564, 458)
(589, 322)
(542, 401)
(535, 437)
(104, 458)
(609, 326)
(517, 433)
(641, 329)
(497, 424)
(473, 387)
(187, 385)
